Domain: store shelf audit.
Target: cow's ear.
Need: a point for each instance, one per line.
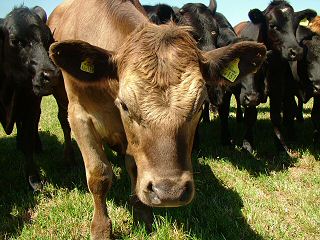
(40, 12)
(304, 17)
(84, 62)
(213, 6)
(233, 62)
(256, 16)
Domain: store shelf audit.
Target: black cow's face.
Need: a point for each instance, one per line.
(205, 28)
(313, 62)
(279, 29)
(28, 39)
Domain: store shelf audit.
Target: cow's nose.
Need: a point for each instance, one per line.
(47, 75)
(251, 100)
(168, 193)
(316, 88)
(292, 54)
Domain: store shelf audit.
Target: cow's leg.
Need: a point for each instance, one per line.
(38, 145)
(239, 113)
(61, 98)
(299, 112)
(224, 110)
(206, 113)
(315, 116)
(289, 111)
(29, 125)
(98, 172)
(275, 116)
(19, 135)
(250, 118)
(141, 211)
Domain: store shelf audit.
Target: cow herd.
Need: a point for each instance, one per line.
(141, 78)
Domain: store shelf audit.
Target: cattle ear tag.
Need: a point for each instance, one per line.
(87, 66)
(304, 22)
(231, 72)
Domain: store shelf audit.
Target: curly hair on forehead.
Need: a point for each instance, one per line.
(314, 25)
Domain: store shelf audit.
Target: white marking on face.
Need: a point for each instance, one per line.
(285, 9)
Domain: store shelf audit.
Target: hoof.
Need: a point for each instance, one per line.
(35, 183)
(247, 146)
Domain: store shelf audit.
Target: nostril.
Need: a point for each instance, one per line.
(152, 193)
(293, 53)
(187, 192)
(149, 187)
(47, 75)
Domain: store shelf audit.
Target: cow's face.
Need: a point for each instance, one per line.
(27, 57)
(205, 27)
(313, 62)
(162, 77)
(279, 29)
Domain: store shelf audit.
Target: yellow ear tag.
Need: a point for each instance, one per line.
(304, 22)
(87, 66)
(231, 72)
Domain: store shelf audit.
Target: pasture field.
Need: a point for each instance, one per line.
(238, 196)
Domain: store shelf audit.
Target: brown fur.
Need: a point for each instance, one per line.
(144, 100)
(314, 25)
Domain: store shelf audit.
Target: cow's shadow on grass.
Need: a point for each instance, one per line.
(215, 213)
(266, 158)
(17, 201)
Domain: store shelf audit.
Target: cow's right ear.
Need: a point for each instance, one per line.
(83, 61)
(256, 16)
(40, 12)
(213, 6)
(233, 61)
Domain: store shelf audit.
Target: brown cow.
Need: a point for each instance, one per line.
(141, 92)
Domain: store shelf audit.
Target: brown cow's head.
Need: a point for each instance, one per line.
(162, 77)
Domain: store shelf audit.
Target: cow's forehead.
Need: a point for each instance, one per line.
(171, 105)
(281, 14)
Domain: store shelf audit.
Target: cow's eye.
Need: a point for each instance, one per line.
(17, 43)
(124, 107)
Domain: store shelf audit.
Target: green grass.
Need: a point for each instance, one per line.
(238, 196)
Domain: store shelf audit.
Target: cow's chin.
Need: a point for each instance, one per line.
(165, 193)
(41, 92)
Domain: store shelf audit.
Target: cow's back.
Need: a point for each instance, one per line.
(101, 23)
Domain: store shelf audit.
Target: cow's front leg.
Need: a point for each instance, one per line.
(315, 116)
(239, 113)
(98, 171)
(289, 112)
(250, 118)
(27, 136)
(224, 110)
(62, 100)
(141, 211)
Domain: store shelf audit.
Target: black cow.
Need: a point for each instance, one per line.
(306, 72)
(249, 91)
(276, 27)
(160, 13)
(27, 74)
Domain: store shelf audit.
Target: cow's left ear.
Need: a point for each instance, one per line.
(256, 16)
(40, 12)
(83, 61)
(307, 14)
(233, 61)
